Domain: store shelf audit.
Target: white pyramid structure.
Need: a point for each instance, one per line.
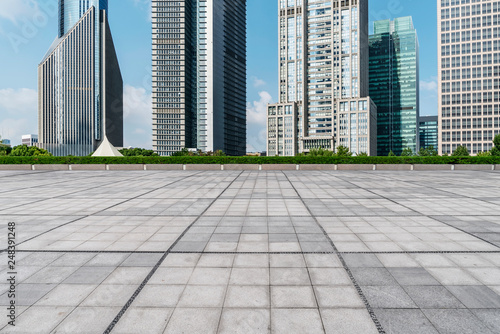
(106, 149)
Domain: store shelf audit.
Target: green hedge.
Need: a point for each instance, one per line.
(248, 160)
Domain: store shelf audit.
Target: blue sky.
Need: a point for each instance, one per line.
(28, 27)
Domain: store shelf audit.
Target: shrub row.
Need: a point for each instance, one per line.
(249, 160)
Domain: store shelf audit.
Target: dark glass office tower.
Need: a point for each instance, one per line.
(199, 75)
(80, 86)
(428, 129)
(394, 84)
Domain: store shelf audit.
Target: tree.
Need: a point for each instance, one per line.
(137, 152)
(31, 151)
(391, 154)
(484, 154)
(407, 152)
(343, 151)
(428, 152)
(461, 151)
(320, 152)
(362, 154)
(496, 149)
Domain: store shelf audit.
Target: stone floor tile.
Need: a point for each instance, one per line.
(166, 296)
(143, 320)
(435, 297)
(249, 276)
(193, 321)
(38, 319)
(338, 297)
(290, 276)
(245, 321)
(347, 321)
(404, 321)
(476, 296)
(293, 297)
(388, 297)
(202, 296)
(247, 296)
(456, 321)
(78, 320)
(329, 276)
(296, 321)
(412, 276)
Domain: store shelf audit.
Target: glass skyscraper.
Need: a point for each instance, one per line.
(394, 84)
(80, 86)
(428, 129)
(199, 76)
(323, 102)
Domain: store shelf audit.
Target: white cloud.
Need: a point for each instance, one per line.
(256, 122)
(137, 117)
(429, 85)
(258, 82)
(18, 113)
(257, 110)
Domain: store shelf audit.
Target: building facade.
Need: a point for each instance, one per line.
(394, 84)
(428, 129)
(199, 76)
(323, 65)
(29, 140)
(80, 88)
(469, 74)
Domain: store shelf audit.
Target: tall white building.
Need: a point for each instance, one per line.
(29, 140)
(323, 72)
(469, 74)
(199, 75)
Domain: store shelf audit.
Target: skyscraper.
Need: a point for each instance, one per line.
(394, 84)
(199, 76)
(428, 129)
(323, 102)
(80, 87)
(469, 74)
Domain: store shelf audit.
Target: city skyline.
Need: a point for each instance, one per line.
(134, 56)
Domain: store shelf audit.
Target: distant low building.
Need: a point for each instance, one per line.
(428, 129)
(5, 142)
(29, 140)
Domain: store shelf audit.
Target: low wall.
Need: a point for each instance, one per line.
(253, 167)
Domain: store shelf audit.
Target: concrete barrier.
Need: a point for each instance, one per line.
(203, 167)
(279, 167)
(394, 167)
(88, 167)
(431, 167)
(354, 167)
(164, 167)
(50, 167)
(474, 167)
(241, 167)
(318, 167)
(497, 167)
(125, 167)
(15, 167)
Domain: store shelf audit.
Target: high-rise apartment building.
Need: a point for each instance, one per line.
(469, 74)
(428, 128)
(323, 57)
(80, 88)
(394, 84)
(199, 76)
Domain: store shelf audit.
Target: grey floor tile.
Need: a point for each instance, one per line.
(202, 296)
(293, 297)
(388, 297)
(247, 296)
(362, 261)
(348, 321)
(476, 296)
(373, 276)
(490, 318)
(78, 320)
(89, 275)
(435, 297)
(243, 321)
(303, 321)
(338, 297)
(456, 321)
(413, 276)
(404, 322)
(43, 319)
(193, 320)
(143, 320)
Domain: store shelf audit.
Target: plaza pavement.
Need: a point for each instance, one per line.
(253, 251)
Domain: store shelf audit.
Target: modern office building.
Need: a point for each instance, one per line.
(428, 128)
(469, 74)
(29, 140)
(5, 142)
(199, 76)
(80, 88)
(394, 84)
(323, 75)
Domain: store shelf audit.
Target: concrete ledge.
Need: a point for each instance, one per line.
(279, 167)
(394, 167)
(473, 167)
(15, 167)
(164, 167)
(354, 167)
(241, 167)
(497, 167)
(318, 167)
(88, 167)
(50, 167)
(431, 167)
(125, 167)
(203, 167)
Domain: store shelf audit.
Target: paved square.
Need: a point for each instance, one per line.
(252, 251)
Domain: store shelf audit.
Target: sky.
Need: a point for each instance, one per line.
(28, 27)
